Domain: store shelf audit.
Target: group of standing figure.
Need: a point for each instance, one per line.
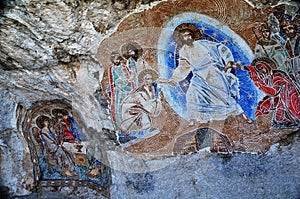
(133, 91)
(282, 47)
(276, 71)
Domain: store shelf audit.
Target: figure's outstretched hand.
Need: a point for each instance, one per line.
(168, 81)
(230, 64)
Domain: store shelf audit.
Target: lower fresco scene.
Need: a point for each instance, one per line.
(60, 149)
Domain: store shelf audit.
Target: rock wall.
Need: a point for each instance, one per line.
(202, 175)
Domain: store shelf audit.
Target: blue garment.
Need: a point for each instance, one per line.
(52, 135)
(76, 130)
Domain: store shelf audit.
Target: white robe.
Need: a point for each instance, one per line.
(138, 109)
(211, 92)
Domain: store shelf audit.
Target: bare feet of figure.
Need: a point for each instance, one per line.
(248, 120)
(193, 122)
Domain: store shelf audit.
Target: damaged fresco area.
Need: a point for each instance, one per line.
(185, 76)
(60, 150)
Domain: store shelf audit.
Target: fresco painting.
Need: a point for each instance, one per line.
(178, 81)
(60, 149)
(194, 79)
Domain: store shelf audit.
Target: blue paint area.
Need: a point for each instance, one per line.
(123, 138)
(50, 172)
(76, 130)
(248, 93)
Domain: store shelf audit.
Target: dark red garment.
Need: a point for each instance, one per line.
(68, 136)
(282, 94)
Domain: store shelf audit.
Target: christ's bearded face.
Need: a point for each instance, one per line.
(187, 37)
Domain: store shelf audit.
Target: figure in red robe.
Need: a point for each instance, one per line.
(68, 136)
(68, 127)
(282, 93)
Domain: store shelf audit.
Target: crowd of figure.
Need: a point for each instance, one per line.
(133, 91)
(276, 71)
(282, 47)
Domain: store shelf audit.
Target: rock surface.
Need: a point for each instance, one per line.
(202, 175)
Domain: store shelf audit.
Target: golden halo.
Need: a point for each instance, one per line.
(135, 45)
(266, 60)
(145, 72)
(186, 26)
(40, 121)
(62, 111)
